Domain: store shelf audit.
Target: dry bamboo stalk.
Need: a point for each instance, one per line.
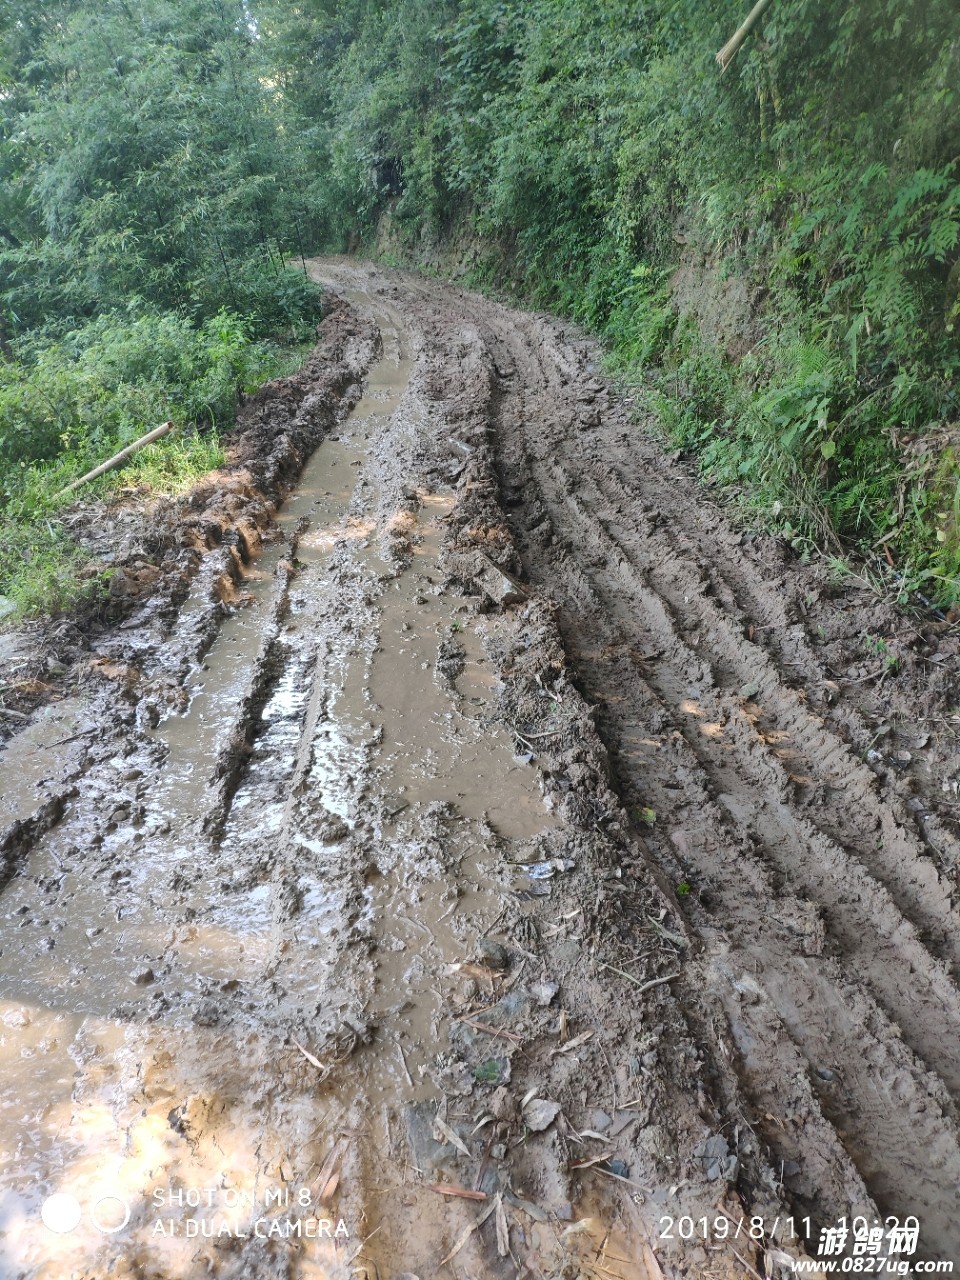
(732, 47)
(119, 458)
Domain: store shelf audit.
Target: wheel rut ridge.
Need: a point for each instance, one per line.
(802, 851)
(807, 740)
(541, 496)
(233, 756)
(831, 1185)
(774, 627)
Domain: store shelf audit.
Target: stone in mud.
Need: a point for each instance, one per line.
(716, 1159)
(425, 1151)
(540, 1113)
(511, 1011)
(494, 954)
(142, 977)
(498, 585)
(503, 1106)
(544, 992)
(599, 1121)
(623, 1121)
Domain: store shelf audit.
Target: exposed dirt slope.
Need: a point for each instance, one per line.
(508, 824)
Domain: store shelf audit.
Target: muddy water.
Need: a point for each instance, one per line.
(303, 856)
(45, 753)
(248, 946)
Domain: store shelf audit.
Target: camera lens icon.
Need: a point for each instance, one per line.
(110, 1214)
(62, 1212)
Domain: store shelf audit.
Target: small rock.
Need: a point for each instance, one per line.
(619, 1167)
(544, 992)
(599, 1121)
(143, 977)
(826, 1074)
(716, 1159)
(540, 1113)
(623, 1121)
(494, 954)
(503, 1105)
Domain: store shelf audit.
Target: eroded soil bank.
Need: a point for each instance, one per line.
(489, 853)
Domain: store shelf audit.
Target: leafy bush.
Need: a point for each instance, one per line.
(101, 386)
(69, 404)
(586, 141)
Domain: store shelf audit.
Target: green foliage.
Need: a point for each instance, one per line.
(152, 158)
(152, 181)
(44, 571)
(67, 405)
(99, 387)
(168, 158)
(587, 141)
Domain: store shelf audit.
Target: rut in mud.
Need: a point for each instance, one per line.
(497, 854)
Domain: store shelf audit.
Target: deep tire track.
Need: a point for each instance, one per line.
(840, 911)
(812, 1022)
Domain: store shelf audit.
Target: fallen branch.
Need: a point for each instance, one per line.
(531, 737)
(491, 1031)
(732, 47)
(119, 458)
(462, 1193)
(641, 986)
(468, 1232)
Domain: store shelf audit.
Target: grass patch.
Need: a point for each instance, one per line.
(803, 443)
(68, 405)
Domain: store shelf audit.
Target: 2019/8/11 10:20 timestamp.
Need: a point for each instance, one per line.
(863, 1235)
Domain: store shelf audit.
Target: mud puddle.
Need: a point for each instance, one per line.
(48, 754)
(277, 879)
(499, 883)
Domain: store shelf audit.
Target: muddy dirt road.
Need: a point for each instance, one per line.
(471, 856)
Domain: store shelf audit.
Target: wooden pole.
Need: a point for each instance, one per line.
(732, 47)
(119, 458)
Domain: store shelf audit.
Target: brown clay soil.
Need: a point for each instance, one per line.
(464, 852)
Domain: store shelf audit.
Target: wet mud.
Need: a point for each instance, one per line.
(466, 853)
